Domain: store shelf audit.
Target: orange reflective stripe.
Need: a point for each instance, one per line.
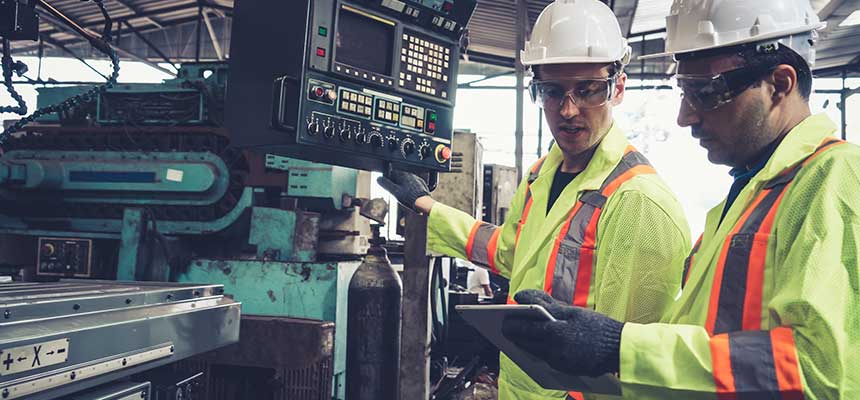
(714, 303)
(755, 271)
(553, 256)
(785, 363)
(535, 171)
(630, 173)
(522, 222)
(736, 302)
(491, 250)
(471, 241)
(824, 147)
(586, 262)
(575, 396)
(721, 362)
(756, 365)
(569, 275)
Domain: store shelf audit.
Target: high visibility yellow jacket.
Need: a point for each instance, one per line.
(771, 300)
(641, 241)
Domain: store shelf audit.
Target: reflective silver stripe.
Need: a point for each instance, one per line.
(569, 250)
(483, 234)
(567, 261)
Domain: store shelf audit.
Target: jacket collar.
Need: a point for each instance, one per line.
(798, 144)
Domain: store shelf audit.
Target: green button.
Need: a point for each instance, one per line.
(323, 31)
(432, 116)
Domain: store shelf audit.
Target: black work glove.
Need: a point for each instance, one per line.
(406, 187)
(580, 342)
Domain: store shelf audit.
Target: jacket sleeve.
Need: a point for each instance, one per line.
(457, 234)
(812, 339)
(644, 242)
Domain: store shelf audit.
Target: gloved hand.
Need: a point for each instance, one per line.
(405, 186)
(580, 342)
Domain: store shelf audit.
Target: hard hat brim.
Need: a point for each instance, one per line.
(773, 35)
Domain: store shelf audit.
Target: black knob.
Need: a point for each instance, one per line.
(408, 147)
(329, 131)
(361, 137)
(345, 134)
(376, 139)
(424, 151)
(392, 144)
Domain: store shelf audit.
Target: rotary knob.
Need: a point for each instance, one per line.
(407, 147)
(48, 249)
(376, 139)
(424, 150)
(345, 134)
(392, 143)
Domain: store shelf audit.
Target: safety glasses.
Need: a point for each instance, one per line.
(584, 92)
(709, 92)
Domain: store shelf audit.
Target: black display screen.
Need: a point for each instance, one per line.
(365, 42)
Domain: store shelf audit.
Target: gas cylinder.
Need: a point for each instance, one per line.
(373, 327)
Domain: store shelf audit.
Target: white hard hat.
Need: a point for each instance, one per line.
(699, 25)
(576, 31)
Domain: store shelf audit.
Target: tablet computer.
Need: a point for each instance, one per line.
(488, 321)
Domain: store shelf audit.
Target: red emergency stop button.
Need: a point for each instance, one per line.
(443, 153)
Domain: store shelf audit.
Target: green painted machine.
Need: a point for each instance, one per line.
(175, 203)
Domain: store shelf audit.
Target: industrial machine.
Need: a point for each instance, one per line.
(148, 184)
(60, 338)
(360, 83)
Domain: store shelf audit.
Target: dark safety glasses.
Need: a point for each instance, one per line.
(584, 92)
(709, 92)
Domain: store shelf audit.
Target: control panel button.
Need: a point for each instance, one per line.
(392, 143)
(328, 131)
(443, 153)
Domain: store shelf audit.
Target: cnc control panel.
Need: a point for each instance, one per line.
(376, 84)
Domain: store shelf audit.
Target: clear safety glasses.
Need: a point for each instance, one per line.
(584, 92)
(709, 92)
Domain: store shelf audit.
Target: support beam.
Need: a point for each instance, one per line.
(828, 13)
(151, 46)
(415, 326)
(51, 42)
(522, 27)
(59, 25)
(212, 36)
(137, 10)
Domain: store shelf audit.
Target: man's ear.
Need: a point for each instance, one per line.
(620, 84)
(784, 80)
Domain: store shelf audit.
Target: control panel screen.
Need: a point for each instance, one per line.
(443, 6)
(364, 41)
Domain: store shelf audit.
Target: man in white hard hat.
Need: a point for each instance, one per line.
(772, 289)
(592, 225)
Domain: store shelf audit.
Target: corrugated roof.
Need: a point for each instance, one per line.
(170, 28)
